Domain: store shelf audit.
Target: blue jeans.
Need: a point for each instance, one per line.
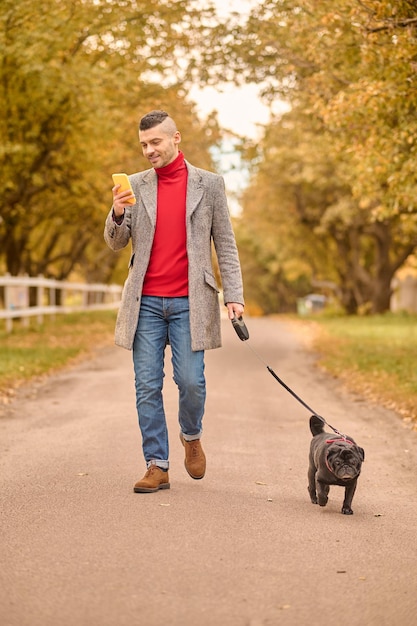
(162, 320)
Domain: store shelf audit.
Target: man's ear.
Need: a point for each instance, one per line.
(177, 137)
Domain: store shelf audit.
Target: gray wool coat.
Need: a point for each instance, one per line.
(207, 221)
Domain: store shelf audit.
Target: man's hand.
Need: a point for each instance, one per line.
(235, 309)
(121, 200)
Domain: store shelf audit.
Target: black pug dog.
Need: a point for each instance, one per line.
(334, 460)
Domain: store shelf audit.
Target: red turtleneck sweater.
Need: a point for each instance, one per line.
(167, 273)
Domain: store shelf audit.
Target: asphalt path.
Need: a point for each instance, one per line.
(242, 547)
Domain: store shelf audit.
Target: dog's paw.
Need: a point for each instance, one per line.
(347, 510)
(323, 500)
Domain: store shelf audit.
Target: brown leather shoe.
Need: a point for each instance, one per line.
(195, 459)
(154, 479)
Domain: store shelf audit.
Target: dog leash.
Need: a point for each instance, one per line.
(243, 334)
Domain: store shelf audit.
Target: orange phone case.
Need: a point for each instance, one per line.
(124, 182)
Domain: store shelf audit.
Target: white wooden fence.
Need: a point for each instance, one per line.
(15, 300)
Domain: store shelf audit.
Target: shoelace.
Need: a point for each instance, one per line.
(195, 448)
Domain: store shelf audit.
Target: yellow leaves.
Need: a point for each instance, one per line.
(72, 81)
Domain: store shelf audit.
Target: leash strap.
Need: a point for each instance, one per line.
(281, 382)
(243, 334)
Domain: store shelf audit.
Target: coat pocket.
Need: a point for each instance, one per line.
(211, 281)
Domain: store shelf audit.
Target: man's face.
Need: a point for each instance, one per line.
(160, 144)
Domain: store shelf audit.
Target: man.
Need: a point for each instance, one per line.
(170, 295)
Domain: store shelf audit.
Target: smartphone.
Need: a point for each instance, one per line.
(124, 182)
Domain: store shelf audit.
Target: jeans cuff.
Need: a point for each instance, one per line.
(158, 463)
(192, 437)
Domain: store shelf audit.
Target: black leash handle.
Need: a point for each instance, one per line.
(240, 328)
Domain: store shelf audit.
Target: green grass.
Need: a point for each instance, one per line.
(374, 355)
(26, 353)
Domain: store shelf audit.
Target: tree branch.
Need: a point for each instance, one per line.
(392, 24)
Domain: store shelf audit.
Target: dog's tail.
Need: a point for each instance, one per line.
(316, 425)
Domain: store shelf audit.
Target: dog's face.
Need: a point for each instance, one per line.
(344, 460)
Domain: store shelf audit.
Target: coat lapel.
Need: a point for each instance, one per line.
(148, 192)
(195, 189)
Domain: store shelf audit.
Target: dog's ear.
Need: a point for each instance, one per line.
(362, 453)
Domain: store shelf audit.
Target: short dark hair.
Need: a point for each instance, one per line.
(154, 118)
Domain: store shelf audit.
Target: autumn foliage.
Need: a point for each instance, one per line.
(333, 192)
(332, 198)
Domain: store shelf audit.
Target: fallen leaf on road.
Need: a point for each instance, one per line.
(163, 504)
(258, 482)
(82, 474)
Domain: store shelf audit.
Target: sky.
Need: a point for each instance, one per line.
(246, 122)
(239, 109)
(230, 98)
